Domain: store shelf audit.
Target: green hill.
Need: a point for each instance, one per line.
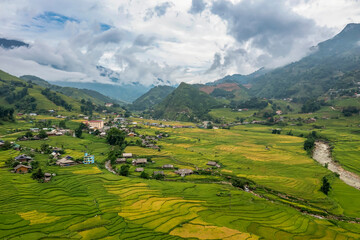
(76, 93)
(27, 97)
(152, 97)
(185, 103)
(334, 64)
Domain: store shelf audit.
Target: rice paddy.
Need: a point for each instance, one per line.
(86, 202)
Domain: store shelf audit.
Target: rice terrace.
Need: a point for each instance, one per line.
(194, 119)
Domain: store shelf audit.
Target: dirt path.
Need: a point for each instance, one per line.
(109, 167)
(322, 154)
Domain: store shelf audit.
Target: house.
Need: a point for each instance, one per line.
(213, 164)
(65, 162)
(183, 172)
(278, 112)
(109, 104)
(131, 134)
(33, 114)
(159, 173)
(120, 160)
(168, 166)
(98, 124)
(22, 168)
(127, 155)
(34, 129)
(139, 161)
(47, 177)
(102, 134)
(140, 169)
(88, 159)
(23, 158)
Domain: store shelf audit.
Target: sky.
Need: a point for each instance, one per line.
(150, 42)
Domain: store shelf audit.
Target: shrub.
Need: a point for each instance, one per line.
(325, 188)
(124, 170)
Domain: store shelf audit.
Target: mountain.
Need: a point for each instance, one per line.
(76, 93)
(185, 103)
(126, 93)
(152, 97)
(240, 79)
(9, 43)
(27, 97)
(333, 64)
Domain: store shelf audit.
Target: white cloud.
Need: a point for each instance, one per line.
(176, 43)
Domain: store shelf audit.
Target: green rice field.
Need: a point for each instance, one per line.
(88, 202)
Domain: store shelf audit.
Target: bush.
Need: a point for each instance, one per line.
(240, 183)
(144, 175)
(124, 170)
(159, 176)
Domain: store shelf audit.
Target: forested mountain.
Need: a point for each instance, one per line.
(76, 93)
(332, 65)
(152, 97)
(185, 103)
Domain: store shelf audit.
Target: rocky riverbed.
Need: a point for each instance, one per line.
(322, 154)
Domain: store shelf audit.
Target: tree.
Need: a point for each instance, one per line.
(28, 134)
(78, 132)
(115, 137)
(45, 148)
(325, 188)
(124, 170)
(159, 176)
(6, 145)
(42, 134)
(62, 124)
(144, 175)
(38, 174)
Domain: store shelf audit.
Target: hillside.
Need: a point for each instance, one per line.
(185, 103)
(26, 97)
(76, 93)
(334, 64)
(152, 97)
(240, 79)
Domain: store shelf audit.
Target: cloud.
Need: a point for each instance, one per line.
(142, 41)
(197, 6)
(158, 10)
(270, 25)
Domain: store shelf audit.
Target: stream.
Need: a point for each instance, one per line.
(322, 154)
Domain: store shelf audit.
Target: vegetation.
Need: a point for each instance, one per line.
(115, 137)
(151, 98)
(325, 187)
(317, 73)
(52, 96)
(186, 103)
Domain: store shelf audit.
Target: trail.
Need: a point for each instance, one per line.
(109, 167)
(322, 155)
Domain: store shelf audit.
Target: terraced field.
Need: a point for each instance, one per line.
(86, 202)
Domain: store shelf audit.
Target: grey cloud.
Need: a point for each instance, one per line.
(216, 63)
(270, 25)
(158, 10)
(110, 36)
(142, 40)
(197, 6)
